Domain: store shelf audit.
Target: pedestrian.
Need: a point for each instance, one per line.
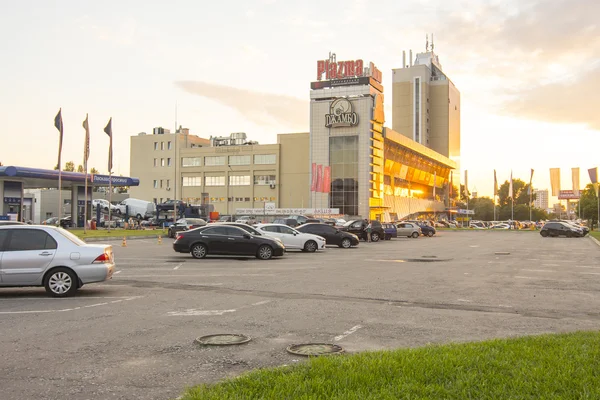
(368, 230)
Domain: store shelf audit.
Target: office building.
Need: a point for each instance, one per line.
(541, 199)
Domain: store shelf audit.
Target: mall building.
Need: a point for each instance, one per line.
(349, 162)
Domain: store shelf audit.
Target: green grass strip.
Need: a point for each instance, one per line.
(116, 233)
(565, 366)
(595, 234)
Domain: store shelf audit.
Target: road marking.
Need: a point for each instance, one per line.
(177, 267)
(585, 266)
(68, 309)
(538, 270)
(589, 273)
(525, 277)
(464, 300)
(504, 306)
(474, 245)
(194, 313)
(118, 272)
(62, 299)
(130, 276)
(550, 265)
(347, 333)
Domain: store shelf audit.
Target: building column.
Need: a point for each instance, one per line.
(74, 205)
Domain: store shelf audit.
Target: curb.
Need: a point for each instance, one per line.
(594, 239)
(117, 238)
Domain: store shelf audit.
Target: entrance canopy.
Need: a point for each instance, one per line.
(35, 178)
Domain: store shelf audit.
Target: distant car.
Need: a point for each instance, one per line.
(6, 223)
(500, 226)
(65, 222)
(286, 221)
(51, 257)
(585, 229)
(225, 218)
(300, 219)
(555, 229)
(427, 230)
(247, 219)
(51, 221)
(409, 229)
(185, 224)
(333, 236)
(222, 239)
(358, 227)
(103, 204)
(390, 231)
(293, 239)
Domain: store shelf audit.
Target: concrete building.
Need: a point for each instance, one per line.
(426, 106)
(541, 199)
(228, 172)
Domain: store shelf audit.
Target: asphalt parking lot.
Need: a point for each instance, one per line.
(132, 337)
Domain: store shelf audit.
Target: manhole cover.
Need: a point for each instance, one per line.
(222, 339)
(315, 349)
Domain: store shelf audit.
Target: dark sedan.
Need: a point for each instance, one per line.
(226, 240)
(427, 230)
(332, 235)
(555, 229)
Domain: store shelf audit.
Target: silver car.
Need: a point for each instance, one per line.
(36, 255)
(408, 229)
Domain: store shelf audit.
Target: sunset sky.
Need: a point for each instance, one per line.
(528, 72)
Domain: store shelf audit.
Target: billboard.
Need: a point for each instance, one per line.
(568, 195)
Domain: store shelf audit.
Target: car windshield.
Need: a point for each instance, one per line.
(71, 237)
(194, 221)
(348, 223)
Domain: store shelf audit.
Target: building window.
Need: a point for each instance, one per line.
(214, 181)
(161, 182)
(162, 162)
(239, 180)
(246, 198)
(155, 162)
(191, 161)
(265, 159)
(155, 184)
(343, 155)
(155, 145)
(272, 199)
(168, 145)
(168, 183)
(239, 160)
(417, 128)
(264, 179)
(162, 145)
(192, 181)
(214, 160)
(168, 162)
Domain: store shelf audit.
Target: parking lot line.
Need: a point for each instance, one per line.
(61, 310)
(347, 333)
(538, 270)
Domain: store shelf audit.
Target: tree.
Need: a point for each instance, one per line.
(94, 171)
(520, 192)
(483, 207)
(69, 166)
(80, 168)
(56, 167)
(589, 204)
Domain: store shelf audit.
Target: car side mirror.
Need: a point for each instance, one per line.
(246, 236)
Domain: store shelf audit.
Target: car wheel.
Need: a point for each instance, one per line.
(265, 252)
(375, 237)
(199, 251)
(310, 246)
(346, 243)
(415, 235)
(171, 234)
(139, 216)
(430, 234)
(61, 282)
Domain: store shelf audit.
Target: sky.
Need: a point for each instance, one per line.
(528, 72)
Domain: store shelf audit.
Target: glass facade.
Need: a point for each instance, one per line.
(417, 134)
(343, 158)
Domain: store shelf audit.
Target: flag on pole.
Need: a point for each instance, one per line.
(495, 184)
(555, 180)
(575, 175)
(319, 183)
(510, 187)
(58, 123)
(86, 146)
(313, 181)
(593, 172)
(108, 131)
(327, 179)
(529, 189)
(466, 193)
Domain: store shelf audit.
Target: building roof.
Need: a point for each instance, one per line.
(43, 178)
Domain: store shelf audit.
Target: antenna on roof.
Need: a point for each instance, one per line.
(432, 42)
(426, 42)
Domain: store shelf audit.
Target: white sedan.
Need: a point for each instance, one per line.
(103, 204)
(293, 239)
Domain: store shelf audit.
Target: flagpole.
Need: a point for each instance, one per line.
(512, 209)
(85, 203)
(109, 199)
(59, 125)
(530, 200)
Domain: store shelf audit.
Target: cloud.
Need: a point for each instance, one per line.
(537, 56)
(264, 109)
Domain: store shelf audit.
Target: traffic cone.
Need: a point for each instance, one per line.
(124, 244)
(160, 240)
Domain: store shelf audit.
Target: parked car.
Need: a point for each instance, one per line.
(555, 229)
(358, 227)
(247, 219)
(65, 222)
(222, 239)
(43, 256)
(51, 221)
(408, 229)
(300, 219)
(6, 223)
(585, 229)
(500, 226)
(103, 204)
(427, 230)
(252, 230)
(333, 236)
(293, 239)
(389, 231)
(185, 224)
(286, 221)
(225, 218)
(139, 209)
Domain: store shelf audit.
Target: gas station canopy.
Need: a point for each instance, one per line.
(35, 178)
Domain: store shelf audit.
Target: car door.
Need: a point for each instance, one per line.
(288, 235)
(332, 236)
(216, 239)
(3, 240)
(402, 229)
(27, 255)
(238, 244)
